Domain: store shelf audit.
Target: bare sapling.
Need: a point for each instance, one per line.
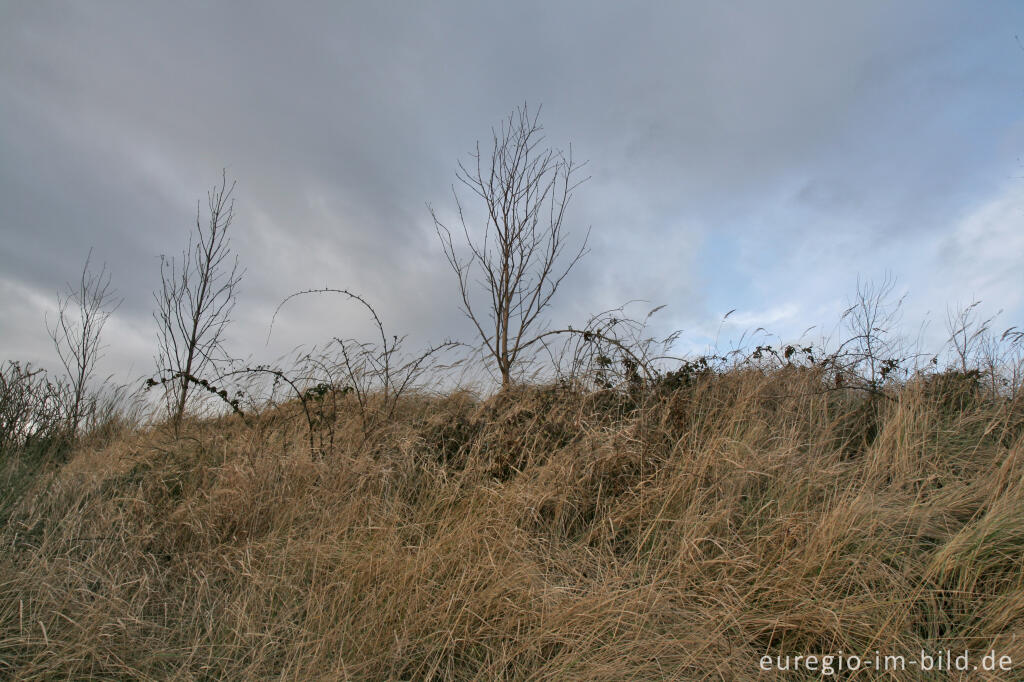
(518, 253)
(82, 311)
(194, 304)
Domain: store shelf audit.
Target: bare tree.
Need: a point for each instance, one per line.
(525, 189)
(82, 311)
(195, 300)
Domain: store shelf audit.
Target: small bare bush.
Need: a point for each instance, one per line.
(33, 408)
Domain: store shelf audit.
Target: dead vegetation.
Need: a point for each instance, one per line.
(679, 531)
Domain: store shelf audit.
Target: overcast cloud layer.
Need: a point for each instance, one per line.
(744, 155)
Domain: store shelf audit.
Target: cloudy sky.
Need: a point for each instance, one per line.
(756, 156)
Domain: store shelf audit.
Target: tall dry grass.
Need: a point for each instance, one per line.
(543, 533)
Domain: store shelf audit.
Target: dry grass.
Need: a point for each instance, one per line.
(540, 534)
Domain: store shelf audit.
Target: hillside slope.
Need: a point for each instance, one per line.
(542, 533)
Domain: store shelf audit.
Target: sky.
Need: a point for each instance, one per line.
(748, 156)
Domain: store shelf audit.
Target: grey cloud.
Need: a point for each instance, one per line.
(799, 131)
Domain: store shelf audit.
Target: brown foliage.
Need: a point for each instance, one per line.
(541, 533)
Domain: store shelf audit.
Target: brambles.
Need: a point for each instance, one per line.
(613, 350)
(377, 375)
(318, 401)
(222, 393)
(688, 373)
